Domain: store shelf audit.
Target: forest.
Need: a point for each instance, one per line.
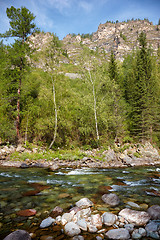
(109, 101)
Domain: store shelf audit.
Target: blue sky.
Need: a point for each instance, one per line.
(80, 16)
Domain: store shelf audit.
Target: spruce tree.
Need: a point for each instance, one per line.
(141, 91)
(112, 67)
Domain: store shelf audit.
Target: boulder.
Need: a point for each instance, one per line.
(71, 229)
(111, 199)
(154, 212)
(108, 218)
(84, 203)
(47, 222)
(138, 218)
(118, 234)
(18, 235)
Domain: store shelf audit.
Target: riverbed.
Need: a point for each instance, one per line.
(42, 189)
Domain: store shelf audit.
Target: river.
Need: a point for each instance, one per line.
(41, 189)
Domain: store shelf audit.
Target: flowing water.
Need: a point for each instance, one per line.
(42, 190)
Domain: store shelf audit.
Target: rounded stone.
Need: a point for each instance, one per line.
(138, 218)
(82, 224)
(56, 212)
(18, 235)
(47, 222)
(111, 199)
(71, 229)
(118, 234)
(154, 212)
(84, 203)
(96, 221)
(108, 218)
(79, 237)
(27, 212)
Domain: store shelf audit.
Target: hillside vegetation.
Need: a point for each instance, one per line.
(88, 90)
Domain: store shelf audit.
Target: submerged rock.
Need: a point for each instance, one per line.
(47, 222)
(138, 218)
(84, 203)
(18, 235)
(133, 205)
(111, 199)
(56, 212)
(72, 229)
(118, 234)
(154, 212)
(27, 212)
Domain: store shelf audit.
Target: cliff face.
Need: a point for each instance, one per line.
(119, 37)
(122, 37)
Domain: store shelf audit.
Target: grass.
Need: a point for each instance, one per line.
(48, 155)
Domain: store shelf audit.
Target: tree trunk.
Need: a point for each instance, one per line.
(95, 108)
(25, 140)
(55, 109)
(18, 112)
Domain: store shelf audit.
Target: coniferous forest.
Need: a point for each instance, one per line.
(111, 100)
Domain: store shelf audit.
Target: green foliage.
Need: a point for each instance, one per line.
(124, 96)
(137, 154)
(21, 22)
(123, 36)
(141, 91)
(112, 67)
(87, 35)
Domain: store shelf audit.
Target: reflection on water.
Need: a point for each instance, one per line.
(26, 188)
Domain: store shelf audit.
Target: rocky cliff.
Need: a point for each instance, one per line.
(119, 37)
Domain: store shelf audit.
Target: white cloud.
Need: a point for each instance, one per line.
(86, 6)
(60, 5)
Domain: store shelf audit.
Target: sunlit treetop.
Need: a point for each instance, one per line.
(21, 23)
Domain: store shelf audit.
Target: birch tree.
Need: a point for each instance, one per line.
(54, 49)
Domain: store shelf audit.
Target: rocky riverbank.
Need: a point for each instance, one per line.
(82, 218)
(127, 155)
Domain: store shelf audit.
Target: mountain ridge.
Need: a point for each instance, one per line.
(120, 37)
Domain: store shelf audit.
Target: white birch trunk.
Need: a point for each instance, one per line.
(26, 131)
(95, 107)
(55, 109)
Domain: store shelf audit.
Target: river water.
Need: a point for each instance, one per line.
(42, 190)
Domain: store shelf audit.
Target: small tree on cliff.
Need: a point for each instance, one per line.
(21, 26)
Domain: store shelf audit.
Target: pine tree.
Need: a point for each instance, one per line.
(21, 25)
